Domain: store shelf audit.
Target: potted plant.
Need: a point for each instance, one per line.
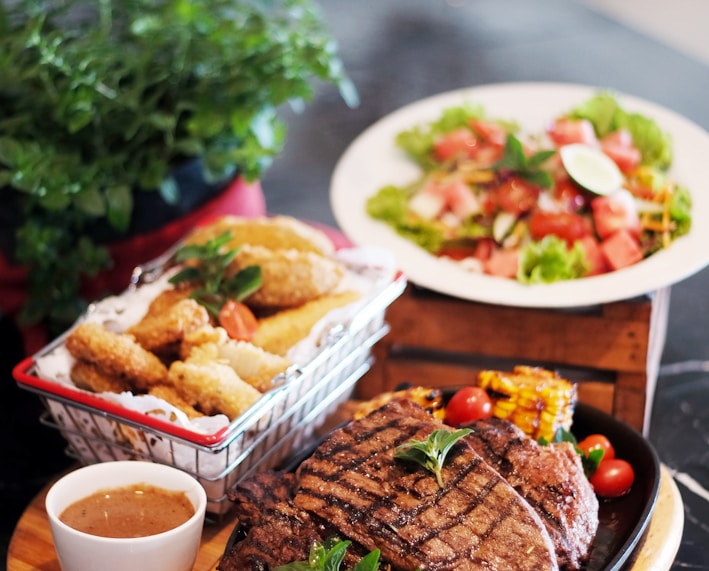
(104, 103)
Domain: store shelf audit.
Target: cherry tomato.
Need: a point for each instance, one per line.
(468, 404)
(597, 442)
(613, 478)
(517, 196)
(238, 320)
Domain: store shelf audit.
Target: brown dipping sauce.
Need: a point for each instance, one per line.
(130, 511)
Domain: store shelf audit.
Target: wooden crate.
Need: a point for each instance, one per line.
(611, 351)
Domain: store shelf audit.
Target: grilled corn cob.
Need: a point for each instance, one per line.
(535, 399)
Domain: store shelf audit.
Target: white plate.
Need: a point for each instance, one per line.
(373, 161)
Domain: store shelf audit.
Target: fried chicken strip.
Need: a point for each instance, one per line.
(279, 332)
(90, 377)
(171, 395)
(116, 355)
(212, 386)
(274, 233)
(161, 332)
(290, 277)
(254, 365)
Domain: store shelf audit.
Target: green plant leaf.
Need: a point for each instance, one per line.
(432, 452)
(115, 98)
(119, 200)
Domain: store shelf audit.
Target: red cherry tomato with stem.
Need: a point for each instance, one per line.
(613, 478)
(467, 405)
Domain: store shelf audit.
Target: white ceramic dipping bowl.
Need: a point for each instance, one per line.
(173, 550)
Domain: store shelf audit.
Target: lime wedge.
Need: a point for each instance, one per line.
(591, 168)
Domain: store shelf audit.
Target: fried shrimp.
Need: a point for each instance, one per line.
(162, 332)
(213, 386)
(290, 277)
(116, 355)
(279, 332)
(274, 233)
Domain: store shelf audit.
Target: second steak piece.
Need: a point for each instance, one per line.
(476, 521)
(550, 478)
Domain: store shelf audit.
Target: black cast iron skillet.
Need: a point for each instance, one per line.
(622, 521)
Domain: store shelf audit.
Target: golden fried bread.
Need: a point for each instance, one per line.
(290, 277)
(161, 332)
(279, 332)
(116, 355)
(274, 233)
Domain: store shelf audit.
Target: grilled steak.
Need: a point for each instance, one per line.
(273, 531)
(506, 504)
(550, 478)
(476, 521)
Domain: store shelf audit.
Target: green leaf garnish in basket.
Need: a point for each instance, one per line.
(431, 453)
(208, 270)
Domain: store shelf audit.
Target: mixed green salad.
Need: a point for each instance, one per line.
(589, 195)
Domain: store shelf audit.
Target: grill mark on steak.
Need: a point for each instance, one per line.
(477, 521)
(550, 478)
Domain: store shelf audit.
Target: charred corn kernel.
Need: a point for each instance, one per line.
(537, 400)
(428, 398)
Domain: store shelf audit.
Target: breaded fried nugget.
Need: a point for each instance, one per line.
(254, 365)
(202, 336)
(171, 395)
(274, 233)
(90, 377)
(278, 333)
(116, 355)
(213, 386)
(161, 333)
(166, 299)
(290, 277)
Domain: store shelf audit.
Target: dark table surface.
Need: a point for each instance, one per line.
(399, 51)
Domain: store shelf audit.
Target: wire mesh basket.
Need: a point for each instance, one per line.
(275, 427)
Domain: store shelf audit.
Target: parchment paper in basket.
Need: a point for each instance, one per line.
(368, 269)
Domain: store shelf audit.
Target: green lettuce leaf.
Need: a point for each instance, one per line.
(606, 114)
(550, 260)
